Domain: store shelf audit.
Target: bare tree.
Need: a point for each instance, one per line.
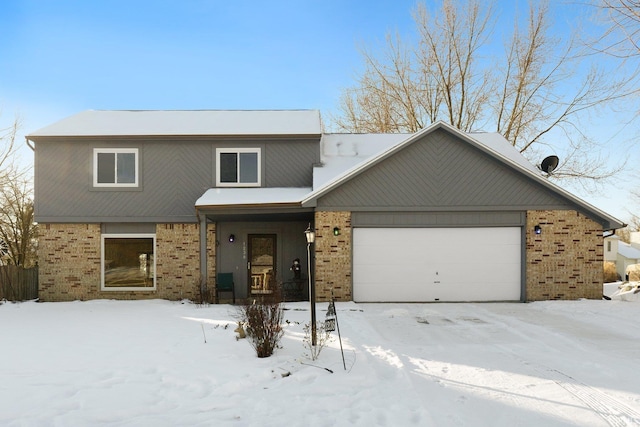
(411, 87)
(8, 167)
(389, 96)
(18, 231)
(17, 228)
(541, 86)
(622, 36)
(449, 51)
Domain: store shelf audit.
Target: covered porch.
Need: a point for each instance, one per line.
(258, 236)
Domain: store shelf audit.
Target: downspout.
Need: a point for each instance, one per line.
(33, 148)
(523, 264)
(613, 232)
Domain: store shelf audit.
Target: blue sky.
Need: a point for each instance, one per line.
(75, 55)
(60, 57)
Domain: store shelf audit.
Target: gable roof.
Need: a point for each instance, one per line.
(628, 251)
(492, 144)
(181, 122)
(340, 152)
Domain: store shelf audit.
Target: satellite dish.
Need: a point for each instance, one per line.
(549, 164)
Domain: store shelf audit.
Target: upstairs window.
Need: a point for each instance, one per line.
(238, 167)
(116, 167)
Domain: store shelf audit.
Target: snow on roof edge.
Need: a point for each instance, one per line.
(185, 122)
(225, 196)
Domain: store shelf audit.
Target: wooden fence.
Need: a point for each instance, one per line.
(17, 283)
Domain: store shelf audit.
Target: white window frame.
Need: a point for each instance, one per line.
(237, 151)
(105, 236)
(115, 151)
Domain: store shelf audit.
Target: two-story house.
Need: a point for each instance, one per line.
(153, 204)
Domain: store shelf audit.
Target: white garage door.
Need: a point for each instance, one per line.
(436, 264)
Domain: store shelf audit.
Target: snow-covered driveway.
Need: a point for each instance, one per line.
(555, 363)
(147, 363)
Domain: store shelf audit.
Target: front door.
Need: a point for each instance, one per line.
(262, 263)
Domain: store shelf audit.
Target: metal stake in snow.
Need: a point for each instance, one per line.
(331, 323)
(203, 334)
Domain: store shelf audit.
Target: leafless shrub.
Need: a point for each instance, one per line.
(262, 320)
(610, 273)
(323, 337)
(204, 296)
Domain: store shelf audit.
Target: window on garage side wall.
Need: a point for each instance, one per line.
(128, 262)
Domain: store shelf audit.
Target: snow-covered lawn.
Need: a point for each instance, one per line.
(146, 363)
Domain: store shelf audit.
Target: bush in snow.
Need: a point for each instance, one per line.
(610, 273)
(262, 322)
(323, 337)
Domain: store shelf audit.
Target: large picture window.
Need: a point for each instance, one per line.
(128, 262)
(238, 167)
(117, 167)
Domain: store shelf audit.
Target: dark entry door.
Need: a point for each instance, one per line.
(262, 263)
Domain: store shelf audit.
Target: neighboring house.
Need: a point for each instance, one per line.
(621, 253)
(153, 204)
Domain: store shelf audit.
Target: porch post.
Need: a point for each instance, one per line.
(203, 253)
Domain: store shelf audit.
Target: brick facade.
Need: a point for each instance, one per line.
(333, 256)
(565, 260)
(70, 263)
(177, 261)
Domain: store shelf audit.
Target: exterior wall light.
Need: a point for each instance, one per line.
(232, 238)
(336, 231)
(537, 229)
(310, 235)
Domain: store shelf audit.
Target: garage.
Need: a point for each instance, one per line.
(437, 264)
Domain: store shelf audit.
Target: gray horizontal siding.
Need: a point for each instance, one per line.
(438, 219)
(440, 172)
(174, 174)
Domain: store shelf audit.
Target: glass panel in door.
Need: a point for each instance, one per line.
(262, 263)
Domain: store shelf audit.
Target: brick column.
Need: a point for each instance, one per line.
(333, 256)
(177, 261)
(564, 261)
